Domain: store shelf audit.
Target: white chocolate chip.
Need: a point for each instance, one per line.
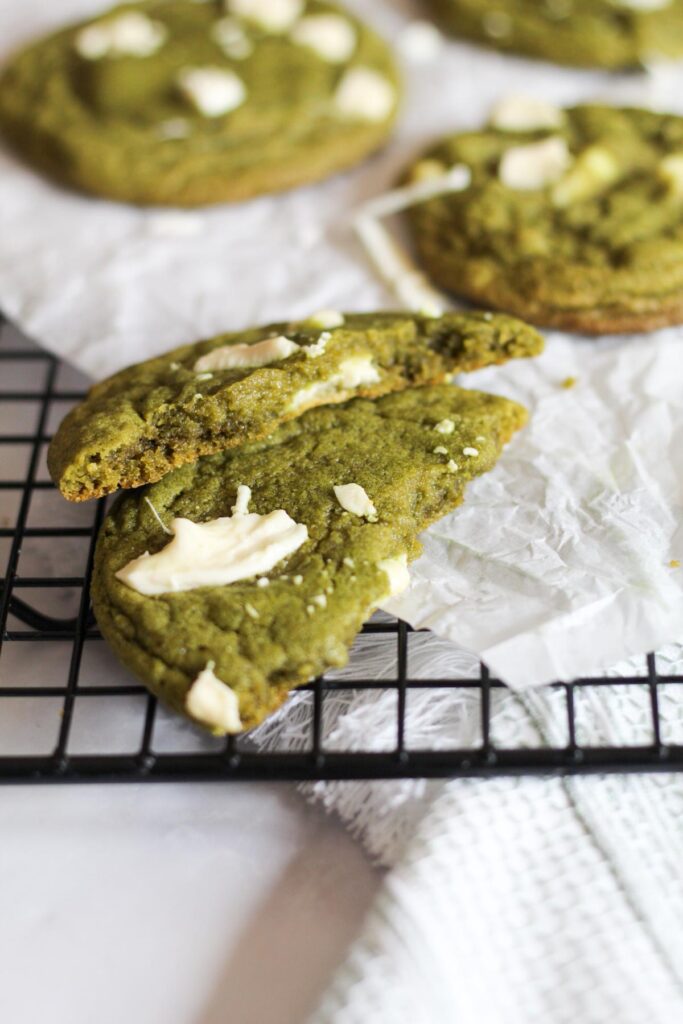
(232, 39)
(318, 347)
(320, 600)
(212, 91)
(260, 353)
(364, 94)
(213, 703)
(445, 427)
(671, 172)
(129, 35)
(326, 319)
(440, 450)
(470, 452)
(525, 114)
(271, 15)
(329, 36)
(241, 506)
(354, 498)
(354, 372)
(396, 570)
(534, 166)
(452, 466)
(251, 611)
(642, 5)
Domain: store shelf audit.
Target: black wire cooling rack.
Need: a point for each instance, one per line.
(68, 713)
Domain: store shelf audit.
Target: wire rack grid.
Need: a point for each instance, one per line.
(68, 713)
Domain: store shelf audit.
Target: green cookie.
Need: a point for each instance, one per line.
(144, 421)
(587, 33)
(178, 102)
(572, 219)
(227, 655)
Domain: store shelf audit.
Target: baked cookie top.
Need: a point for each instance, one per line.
(137, 425)
(281, 549)
(599, 33)
(189, 102)
(571, 218)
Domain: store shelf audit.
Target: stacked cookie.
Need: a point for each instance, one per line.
(295, 466)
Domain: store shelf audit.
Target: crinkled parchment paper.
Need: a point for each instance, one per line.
(559, 562)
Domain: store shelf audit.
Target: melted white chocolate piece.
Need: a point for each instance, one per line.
(396, 570)
(216, 553)
(260, 353)
(213, 703)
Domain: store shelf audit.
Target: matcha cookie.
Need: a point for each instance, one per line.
(571, 219)
(282, 548)
(144, 421)
(587, 33)
(185, 103)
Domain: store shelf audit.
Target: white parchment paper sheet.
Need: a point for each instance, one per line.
(559, 562)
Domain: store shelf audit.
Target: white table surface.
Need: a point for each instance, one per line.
(163, 903)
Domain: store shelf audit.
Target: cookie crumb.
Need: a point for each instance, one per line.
(674, 564)
(569, 382)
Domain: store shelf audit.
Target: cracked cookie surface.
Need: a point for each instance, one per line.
(174, 102)
(575, 221)
(412, 453)
(139, 424)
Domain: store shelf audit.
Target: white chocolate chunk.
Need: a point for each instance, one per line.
(354, 372)
(241, 506)
(354, 498)
(271, 15)
(260, 353)
(329, 36)
(470, 452)
(534, 166)
(318, 347)
(671, 172)
(212, 91)
(396, 570)
(213, 703)
(525, 114)
(129, 35)
(326, 319)
(594, 170)
(364, 95)
(357, 371)
(445, 427)
(216, 553)
(232, 39)
(642, 5)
